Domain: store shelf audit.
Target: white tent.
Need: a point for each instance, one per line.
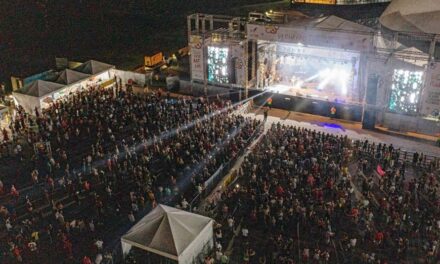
(413, 16)
(69, 76)
(93, 67)
(30, 96)
(40, 93)
(171, 233)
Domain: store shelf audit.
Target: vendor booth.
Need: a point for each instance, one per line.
(32, 95)
(40, 94)
(170, 235)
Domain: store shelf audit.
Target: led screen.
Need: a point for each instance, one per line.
(405, 91)
(218, 70)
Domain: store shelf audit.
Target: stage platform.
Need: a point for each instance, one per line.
(287, 100)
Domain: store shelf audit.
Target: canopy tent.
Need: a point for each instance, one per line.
(409, 16)
(29, 96)
(69, 76)
(93, 67)
(171, 233)
(41, 93)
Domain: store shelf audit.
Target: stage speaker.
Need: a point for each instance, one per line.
(372, 84)
(369, 121)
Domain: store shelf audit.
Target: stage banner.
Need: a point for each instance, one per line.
(196, 49)
(238, 54)
(431, 92)
(324, 38)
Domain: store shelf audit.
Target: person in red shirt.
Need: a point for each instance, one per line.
(378, 238)
(280, 190)
(14, 192)
(86, 260)
(17, 253)
(311, 180)
(67, 246)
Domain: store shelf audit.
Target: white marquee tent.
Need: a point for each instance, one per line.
(171, 233)
(421, 16)
(40, 93)
(69, 76)
(93, 67)
(31, 95)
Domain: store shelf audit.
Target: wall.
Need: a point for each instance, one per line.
(139, 78)
(404, 123)
(197, 89)
(430, 99)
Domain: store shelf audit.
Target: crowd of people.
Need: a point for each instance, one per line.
(84, 170)
(311, 197)
(100, 159)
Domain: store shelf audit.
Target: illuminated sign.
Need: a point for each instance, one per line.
(321, 2)
(333, 39)
(153, 60)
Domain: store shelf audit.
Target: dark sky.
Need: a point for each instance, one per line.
(34, 32)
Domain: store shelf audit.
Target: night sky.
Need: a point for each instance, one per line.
(33, 33)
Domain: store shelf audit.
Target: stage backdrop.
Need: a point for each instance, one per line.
(323, 38)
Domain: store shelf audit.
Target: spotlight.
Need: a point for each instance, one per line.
(335, 76)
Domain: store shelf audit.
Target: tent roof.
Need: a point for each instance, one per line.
(69, 76)
(334, 22)
(408, 16)
(167, 230)
(328, 23)
(93, 67)
(39, 88)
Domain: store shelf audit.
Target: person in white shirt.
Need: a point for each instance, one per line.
(231, 223)
(98, 259)
(218, 255)
(131, 217)
(244, 232)
(99, 244)
(185, 204)
(353, 242)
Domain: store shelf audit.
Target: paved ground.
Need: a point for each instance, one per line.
(351, 129)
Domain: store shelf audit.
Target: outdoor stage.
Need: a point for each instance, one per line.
(311, 79)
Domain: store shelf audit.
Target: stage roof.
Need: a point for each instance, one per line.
(326, 23)
(335, 23)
